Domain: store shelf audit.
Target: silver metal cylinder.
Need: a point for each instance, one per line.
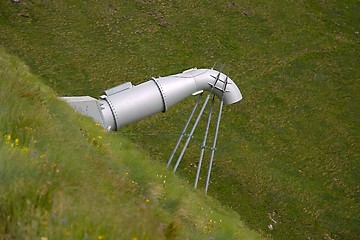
(126, 103)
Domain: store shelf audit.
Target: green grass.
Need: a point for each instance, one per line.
(63, 177)
(290, 145)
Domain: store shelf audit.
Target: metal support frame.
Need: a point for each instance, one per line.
(190, 135)
(214, 145)
(184, 130)
(203, 146)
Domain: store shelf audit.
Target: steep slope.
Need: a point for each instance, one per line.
(63, 177)
(288, 151)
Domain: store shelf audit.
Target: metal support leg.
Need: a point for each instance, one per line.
(214, 144)
(214, 86)
(191, 133)
(184, 131)
(204, 142)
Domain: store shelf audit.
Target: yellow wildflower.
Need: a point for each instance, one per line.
(8, 137)
(147, 200)
(25, 149)
(101, 237)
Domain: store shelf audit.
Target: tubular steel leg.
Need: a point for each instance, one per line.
(191, 133)
(204, 142)
(183, 131)
(214, 144)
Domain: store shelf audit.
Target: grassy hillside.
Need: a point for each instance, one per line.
(290, 147)
(63, 177)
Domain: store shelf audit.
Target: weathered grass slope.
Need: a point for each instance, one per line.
(62, 177)
(291, 146)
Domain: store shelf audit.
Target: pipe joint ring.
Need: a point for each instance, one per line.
(162, 93)
(113, 110)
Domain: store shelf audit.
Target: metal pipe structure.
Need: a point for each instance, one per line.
(127, 103)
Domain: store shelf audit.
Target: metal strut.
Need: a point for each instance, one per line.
(203, 146)
(216, 135)
(184, 130)
(190, 135)
(214, 145)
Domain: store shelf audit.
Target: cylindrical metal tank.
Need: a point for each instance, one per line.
(126, 103)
